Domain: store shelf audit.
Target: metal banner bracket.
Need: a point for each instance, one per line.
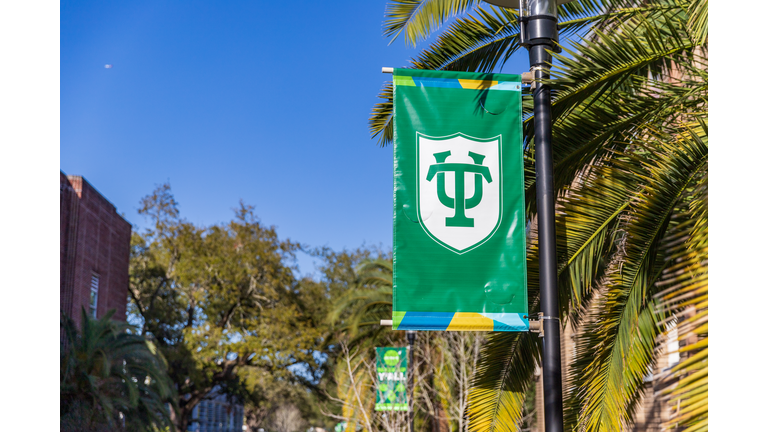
(536, 325)
(531, 75)
(527, 77)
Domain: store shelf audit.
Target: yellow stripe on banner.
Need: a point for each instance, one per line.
(477, 84)
(469, 321)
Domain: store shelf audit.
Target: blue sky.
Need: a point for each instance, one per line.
(261, 101)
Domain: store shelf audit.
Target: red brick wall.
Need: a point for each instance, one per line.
(94, 239)
(68, 214)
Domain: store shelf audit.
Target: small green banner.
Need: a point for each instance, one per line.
(459, 220)
(391, 378)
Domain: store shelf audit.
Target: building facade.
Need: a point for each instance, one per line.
(217, 414)
(95, 251)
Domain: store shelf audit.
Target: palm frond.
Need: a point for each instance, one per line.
(597, 128)
(108, 370)
(616, 347)
(417, 19)
(698, 20)
(368, 302)
(685, 293)
(476, 43)
(380, 122)
(484, 41)
(638, 47)
(502, 378)
(374, 272)
(591, 209)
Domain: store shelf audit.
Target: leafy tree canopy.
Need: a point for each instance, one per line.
(221, 302)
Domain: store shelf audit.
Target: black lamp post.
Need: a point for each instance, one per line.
(538, 33)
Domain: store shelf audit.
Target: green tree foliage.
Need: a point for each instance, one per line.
(337, 273)
(268, 397)
(630, 147)
(111, 380)
(444, 362)
(222, 304)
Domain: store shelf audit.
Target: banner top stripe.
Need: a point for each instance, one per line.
(458, 80)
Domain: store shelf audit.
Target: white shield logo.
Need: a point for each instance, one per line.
(460, 189)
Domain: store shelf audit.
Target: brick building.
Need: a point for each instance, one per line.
(95, 248)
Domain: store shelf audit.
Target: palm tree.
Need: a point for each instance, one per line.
(630, 162)
(355, 315)
(369, 302)
(111, 379)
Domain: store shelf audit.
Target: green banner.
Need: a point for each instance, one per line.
(459, 221)
(391, 376)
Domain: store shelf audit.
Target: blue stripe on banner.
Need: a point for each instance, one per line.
(507, 86)
(426, 321)
(437, 82)
(508, 321)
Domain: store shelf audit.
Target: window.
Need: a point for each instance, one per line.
(94, 294)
